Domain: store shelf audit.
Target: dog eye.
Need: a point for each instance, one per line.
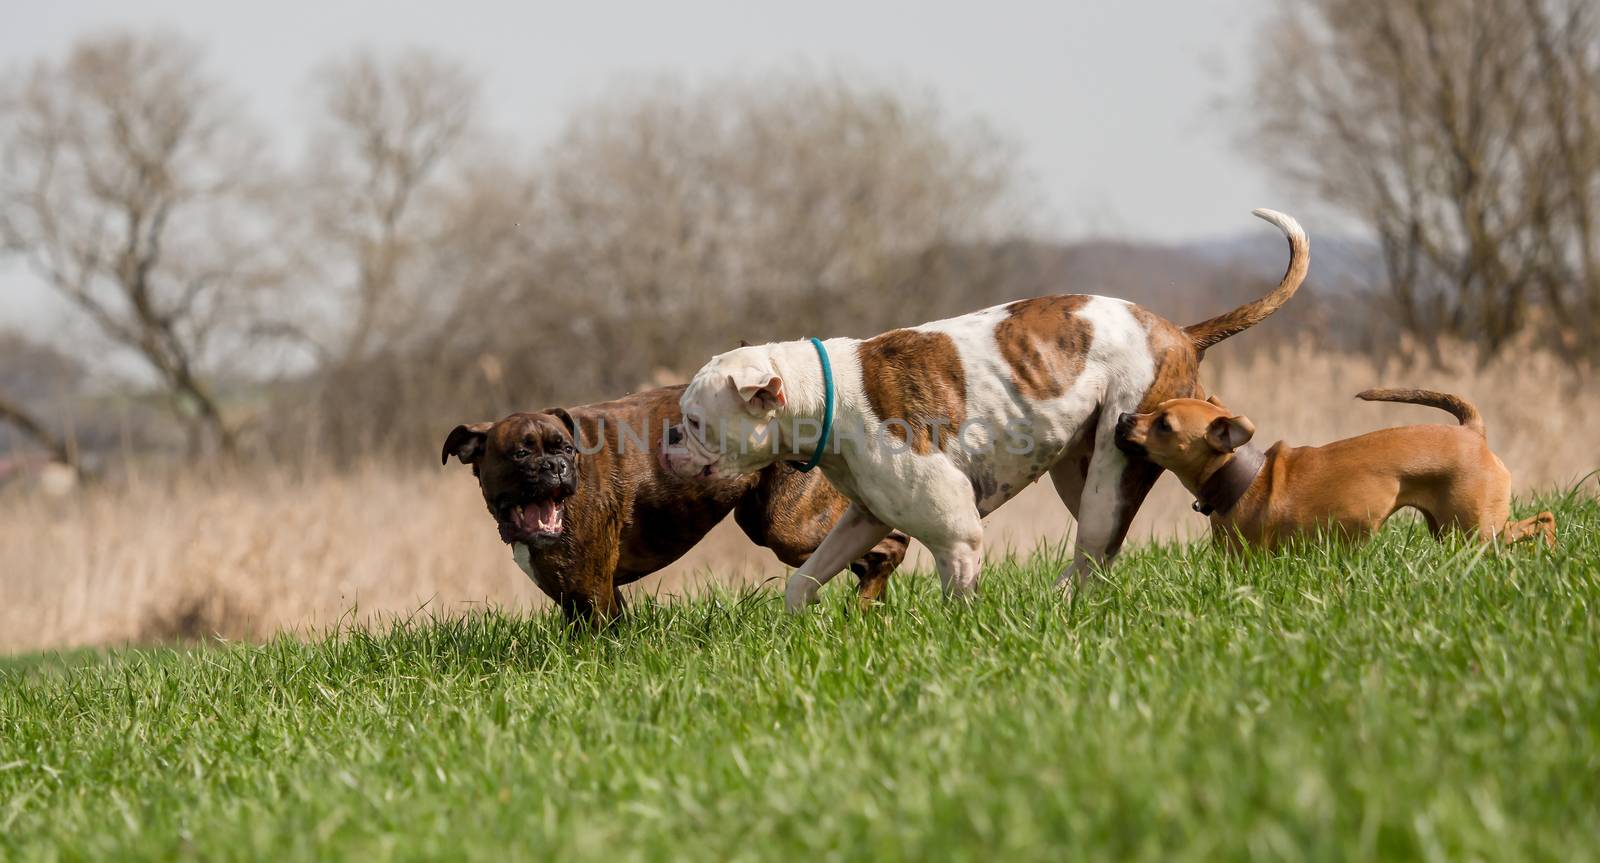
(520, 453)
(1163, 425)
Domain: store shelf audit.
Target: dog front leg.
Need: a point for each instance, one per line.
(592, 596)
(855, 534)
(960, 564)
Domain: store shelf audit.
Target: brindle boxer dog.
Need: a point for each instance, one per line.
(1060, 370)
(579, 496)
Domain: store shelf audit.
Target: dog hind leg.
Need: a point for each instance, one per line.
(1068, 475)
(1541, 526)
(1109, 497)
(874, 568)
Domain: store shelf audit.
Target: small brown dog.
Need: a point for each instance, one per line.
(1347, 488)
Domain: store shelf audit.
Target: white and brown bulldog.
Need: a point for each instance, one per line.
(934, 427)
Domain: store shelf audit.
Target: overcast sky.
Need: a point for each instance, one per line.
(1127, 114)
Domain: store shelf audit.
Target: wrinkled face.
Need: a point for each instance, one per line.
(527, 467)
(729, 411)
(1183, 435)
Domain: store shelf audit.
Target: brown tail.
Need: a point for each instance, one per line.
(1207, 333)
(1460, 407)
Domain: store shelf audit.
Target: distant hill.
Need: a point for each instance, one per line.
(1184, 283)
(1193, 281)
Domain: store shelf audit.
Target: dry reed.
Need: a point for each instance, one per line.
(245, 556)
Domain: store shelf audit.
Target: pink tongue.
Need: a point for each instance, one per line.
(544, 515)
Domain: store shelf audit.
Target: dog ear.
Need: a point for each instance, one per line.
(566, 420)
(1226, 434)
(760, 389)
(1216, 402)
(465, 442)
(743, 343)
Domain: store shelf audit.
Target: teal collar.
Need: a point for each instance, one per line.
(827, 406)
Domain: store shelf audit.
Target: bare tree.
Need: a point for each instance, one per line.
(126, 183)
(664, 224)
(32, 374)
(14, 413)
(1463, 132)
(388, 127)
(1567, 41)
(675, 220)
(443, 350)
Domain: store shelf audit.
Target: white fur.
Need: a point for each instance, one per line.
(932, 496)
(524, 558)
(939, 497)
(1282, 221)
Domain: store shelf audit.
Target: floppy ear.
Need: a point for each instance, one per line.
(465, 442)
(566, 420)
(760, 389)
(1226, 434)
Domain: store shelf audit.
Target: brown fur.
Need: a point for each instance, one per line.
(1177, 360)
(1208, 332)
(1177, 364)
(1458, 407)
(1045, 346)
(1045, 342)
(1348, 488)
(629, 518)
(914, 381)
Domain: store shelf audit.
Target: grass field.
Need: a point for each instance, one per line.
(1405, 700)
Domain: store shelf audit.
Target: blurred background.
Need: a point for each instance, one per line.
(256, 261)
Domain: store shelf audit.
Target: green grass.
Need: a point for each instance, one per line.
(1404, 700)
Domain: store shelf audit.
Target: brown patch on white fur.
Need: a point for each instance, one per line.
(915, 383)
(1176, 360)
(1045, 343)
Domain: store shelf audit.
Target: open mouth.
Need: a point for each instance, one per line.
(533, 521)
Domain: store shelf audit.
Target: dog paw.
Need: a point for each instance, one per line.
(800, 593)
(1070, 586)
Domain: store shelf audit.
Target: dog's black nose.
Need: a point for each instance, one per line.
(1124, 428)
(675, 435)
(556, 467)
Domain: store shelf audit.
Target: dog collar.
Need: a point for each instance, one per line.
(1223, 489)
(827, 406)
